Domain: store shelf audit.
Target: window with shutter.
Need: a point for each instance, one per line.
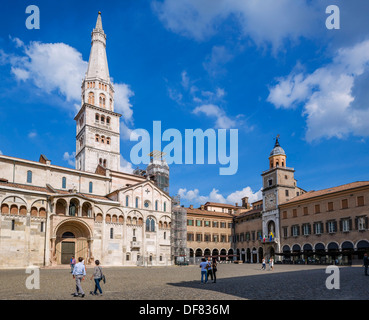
(360, 201)
(344, 204)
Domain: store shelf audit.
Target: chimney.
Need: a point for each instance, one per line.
(236, 204)
(202, 207)
(191, 206)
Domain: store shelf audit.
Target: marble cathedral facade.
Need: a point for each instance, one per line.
(49, 213)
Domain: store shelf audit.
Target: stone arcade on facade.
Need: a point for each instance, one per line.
(49, 213)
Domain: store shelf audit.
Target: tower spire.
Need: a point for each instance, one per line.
(98, 62)
(99, 22)
(97, 140)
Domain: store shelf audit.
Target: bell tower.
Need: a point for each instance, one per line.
(279, 186)
(98, 134)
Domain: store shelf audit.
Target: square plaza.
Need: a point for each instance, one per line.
(234, 282)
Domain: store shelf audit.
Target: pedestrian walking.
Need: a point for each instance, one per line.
(79, 273)
(271, 263)
(366, 263)
(204, 270)
(72, 264)
(97, 276)
(263, 264)
(210, 270)
(215, 269)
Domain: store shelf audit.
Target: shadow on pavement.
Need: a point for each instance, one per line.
(300, 285)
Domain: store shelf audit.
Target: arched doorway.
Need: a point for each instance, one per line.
(362, 247)
(254, 255)
(308, 252)
(248, 255)
(71, 237)
(215, 254)
(207, 253)
(198, 253)
(347, 252)
(223, 254)
(68, 247)
(230, 255)
(261, 254)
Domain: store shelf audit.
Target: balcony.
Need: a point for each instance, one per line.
(267, 240)
(135, 244)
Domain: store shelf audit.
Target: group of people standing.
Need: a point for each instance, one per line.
(208, 269)
(271, 264)
(78, 271)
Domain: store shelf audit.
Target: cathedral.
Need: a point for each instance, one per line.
(51, 213)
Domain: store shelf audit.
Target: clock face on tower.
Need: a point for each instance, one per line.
(270, 202)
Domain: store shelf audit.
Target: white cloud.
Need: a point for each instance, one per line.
(52, 67)
(32, 134)
(327, 95)
(59, 68)
(222, 121)
(273, 22)
(70, 158)
(194, 197)
(216, 60)
(204, 102)
(125, 166)
(1, 153)
(20, 74)
(185, 80)
(123, 93)
(18, 42)
(126, 132)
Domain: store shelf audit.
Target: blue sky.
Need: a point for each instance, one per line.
(262, 67)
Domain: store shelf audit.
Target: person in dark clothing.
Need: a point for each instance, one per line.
(366, 264)
(210, 270)
(214, 268)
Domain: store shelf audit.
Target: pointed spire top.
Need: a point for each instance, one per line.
(98, 22)
(277, 141)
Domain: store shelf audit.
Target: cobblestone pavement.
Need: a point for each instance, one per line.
(234, 282)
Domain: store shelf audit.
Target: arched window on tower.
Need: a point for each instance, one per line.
(102, 139)
(108, 120)
(102, 119)
(102, 100)
(91, 98)
(104, 163)
(97, 117)
(107, 140)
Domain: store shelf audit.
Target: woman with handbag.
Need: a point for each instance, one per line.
(97, 275)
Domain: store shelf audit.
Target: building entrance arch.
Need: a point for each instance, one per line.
(72, 237)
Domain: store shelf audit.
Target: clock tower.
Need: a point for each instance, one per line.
(279, 185)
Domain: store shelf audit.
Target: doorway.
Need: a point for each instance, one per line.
(67, 251)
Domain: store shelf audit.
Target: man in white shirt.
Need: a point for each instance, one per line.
(79, 273)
